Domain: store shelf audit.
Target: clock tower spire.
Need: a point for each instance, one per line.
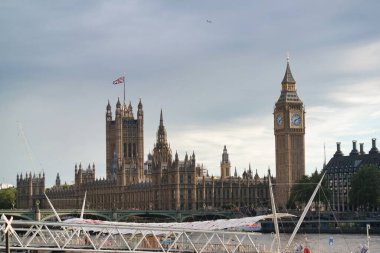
(289, 132)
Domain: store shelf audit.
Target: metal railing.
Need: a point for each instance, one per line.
(86, 237)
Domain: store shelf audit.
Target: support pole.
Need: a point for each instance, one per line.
(124, 89)
(7, 248)
(368, 237)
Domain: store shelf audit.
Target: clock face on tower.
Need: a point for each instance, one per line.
(279, 120)
(296, 119)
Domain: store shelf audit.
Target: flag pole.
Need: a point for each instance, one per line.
(124, 88)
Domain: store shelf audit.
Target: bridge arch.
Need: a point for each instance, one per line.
(203, 217)
(146, 216)
(66, 215)
(17, 216)
(97, 216)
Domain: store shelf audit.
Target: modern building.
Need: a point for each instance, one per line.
(341, 168)
(289, 132)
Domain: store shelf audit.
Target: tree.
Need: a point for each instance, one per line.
(7, 198)
(365, 187)
(304, 188)
(299, 193)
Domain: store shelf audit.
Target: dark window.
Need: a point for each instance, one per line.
(129, 150)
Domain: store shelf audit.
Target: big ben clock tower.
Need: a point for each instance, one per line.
(289, 132)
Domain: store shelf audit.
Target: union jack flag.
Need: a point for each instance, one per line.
(119, 80)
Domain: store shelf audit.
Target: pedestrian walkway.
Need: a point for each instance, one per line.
(54, 236)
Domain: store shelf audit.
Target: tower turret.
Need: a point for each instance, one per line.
(129, 111)
(162, 162)
(256, 177)
(108, 112)
(162, 151)
(225, 165)
(176, 157)
(57, 181)
(250, 174)
(125, 136)
(118, 134)
(140, 140)
(193, 158)
(161, 133)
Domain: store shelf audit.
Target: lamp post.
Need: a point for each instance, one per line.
(37, 213)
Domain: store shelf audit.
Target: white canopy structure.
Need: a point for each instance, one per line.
(212, 225)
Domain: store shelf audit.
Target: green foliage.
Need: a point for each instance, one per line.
(304, 188)
(66, 186)
(365, 187)
(229, 207)
(7, 198)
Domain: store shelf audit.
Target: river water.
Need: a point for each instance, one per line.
(326, 243)
(322, 243)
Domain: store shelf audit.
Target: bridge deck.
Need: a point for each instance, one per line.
(74, 237)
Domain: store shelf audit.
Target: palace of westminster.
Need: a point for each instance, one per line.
(164, 182)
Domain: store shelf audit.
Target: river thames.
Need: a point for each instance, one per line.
(326, 243)
(321, 243)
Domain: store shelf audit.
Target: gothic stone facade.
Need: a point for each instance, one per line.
(30, 190)
(161, 183)
(289, 131)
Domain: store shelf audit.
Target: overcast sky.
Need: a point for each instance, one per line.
(214, 68)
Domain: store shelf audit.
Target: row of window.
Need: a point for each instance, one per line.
(131, 150)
